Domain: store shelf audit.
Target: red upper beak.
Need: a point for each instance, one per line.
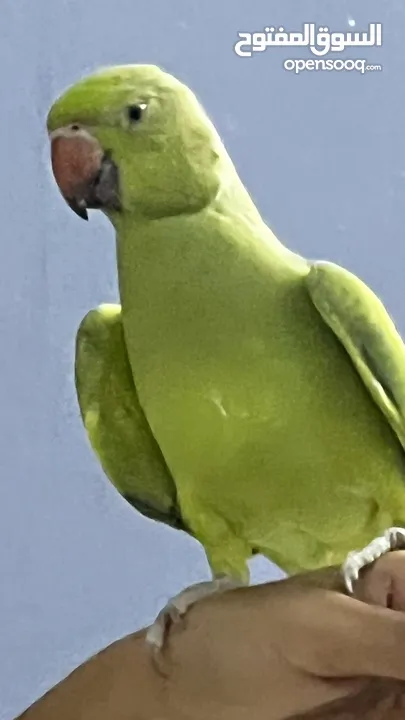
(85, 175)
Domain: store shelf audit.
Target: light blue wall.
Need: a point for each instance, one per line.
(323, 154)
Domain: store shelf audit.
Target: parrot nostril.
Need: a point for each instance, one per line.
(75, 128)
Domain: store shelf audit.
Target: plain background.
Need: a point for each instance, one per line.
(322, 153)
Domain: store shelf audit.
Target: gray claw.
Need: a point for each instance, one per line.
(393, 539)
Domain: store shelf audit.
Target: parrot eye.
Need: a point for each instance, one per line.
(135, 112)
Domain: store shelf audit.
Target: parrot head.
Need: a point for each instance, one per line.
(133, 138)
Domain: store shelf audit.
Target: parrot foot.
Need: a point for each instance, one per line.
(393, 539)
(178, 606)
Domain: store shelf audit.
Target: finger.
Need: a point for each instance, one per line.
(332, 635)
(384, 582)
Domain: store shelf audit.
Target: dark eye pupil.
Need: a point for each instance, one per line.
(135, 113)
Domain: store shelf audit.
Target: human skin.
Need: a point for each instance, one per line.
(297, 648)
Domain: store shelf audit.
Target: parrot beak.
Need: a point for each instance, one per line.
(86, 176)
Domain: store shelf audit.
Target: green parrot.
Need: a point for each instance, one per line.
(239, 392)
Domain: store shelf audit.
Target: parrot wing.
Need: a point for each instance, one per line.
(363, 326)
(116, 425)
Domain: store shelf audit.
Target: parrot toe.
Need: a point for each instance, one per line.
(393, 539)
(178, 606)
